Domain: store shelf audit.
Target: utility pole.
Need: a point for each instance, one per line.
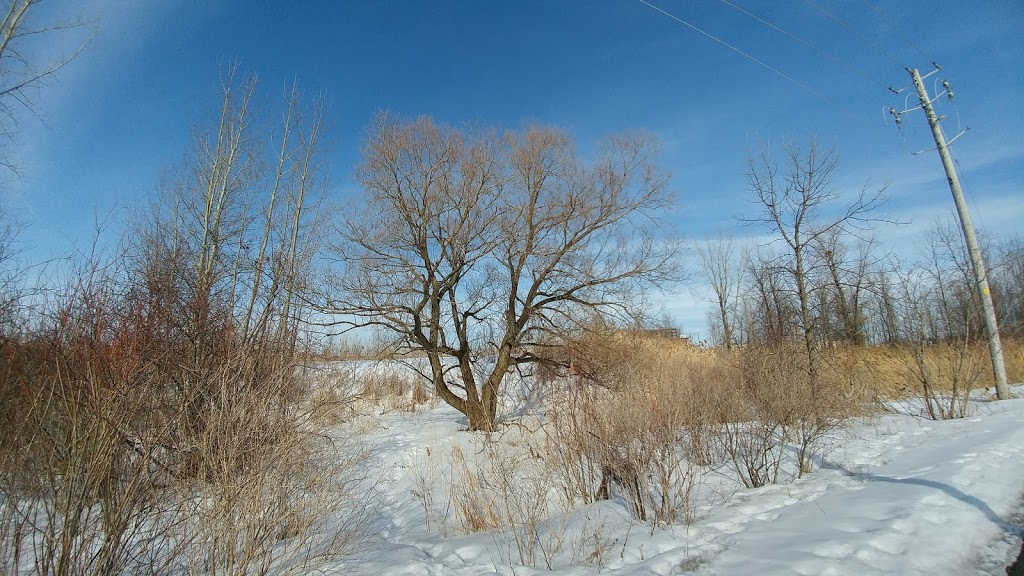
(995, 347)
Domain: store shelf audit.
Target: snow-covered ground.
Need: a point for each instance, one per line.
(894, 494)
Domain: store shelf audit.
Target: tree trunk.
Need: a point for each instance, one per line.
(805, 317)
(726, 324)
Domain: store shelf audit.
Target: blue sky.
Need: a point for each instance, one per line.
(121, 114)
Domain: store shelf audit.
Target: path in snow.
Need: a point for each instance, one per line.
(925, 512)
(899, 495)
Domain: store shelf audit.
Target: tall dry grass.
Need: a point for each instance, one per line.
(644, 418)
(635, 420)
(502, 486)
(892, 371)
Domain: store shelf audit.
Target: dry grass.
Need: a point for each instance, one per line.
(330, 406)
(891, 371)
(646, 417)
(641, 415)
(476, 509)
(504, 486)
(1013, 352)
(635, 422)
(393, 390)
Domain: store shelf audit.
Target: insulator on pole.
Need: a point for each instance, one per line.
(896, 116)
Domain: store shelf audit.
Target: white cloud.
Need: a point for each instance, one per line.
(119, 31)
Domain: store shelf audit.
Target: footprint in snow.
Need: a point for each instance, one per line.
(915, 473)
(904, 526)
(833, 551)
(964, 458)
(888, 545)
(727, 527)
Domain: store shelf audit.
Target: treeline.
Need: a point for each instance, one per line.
(858, 293)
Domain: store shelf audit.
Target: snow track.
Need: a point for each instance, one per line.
(928, 511)
(896, 495)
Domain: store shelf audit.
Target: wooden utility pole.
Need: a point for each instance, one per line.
(995, 347)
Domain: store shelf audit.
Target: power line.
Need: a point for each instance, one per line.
(748, 56)
(896, 28)
(807, 43)
(852, 30)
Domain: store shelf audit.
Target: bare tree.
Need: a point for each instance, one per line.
(771, 313)
(233, 226)
(799, 207)
(20, 70)
(846, 271)
(222, 259)
(940, 318)
(1008, 278)
(472, 243)
(21, 73)
(883, 314)
(718, 260)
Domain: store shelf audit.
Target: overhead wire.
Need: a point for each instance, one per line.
(854, 31)
(896, 29)
(807, 43)
(750, 57)
(891, 24)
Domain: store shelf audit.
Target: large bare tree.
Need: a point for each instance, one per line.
(473, 243)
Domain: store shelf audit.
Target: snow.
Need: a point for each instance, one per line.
(926, 502)
(895, 494)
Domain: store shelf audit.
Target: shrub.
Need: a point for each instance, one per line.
(635, 420)
(126, 455)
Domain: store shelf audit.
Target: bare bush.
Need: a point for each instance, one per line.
(426, 477)
(941, 320)
(523, 485)
(266, 502)
(636, 421)
(779, 403)
(567, 437)
(109, 472)
(509, 488)
(160, 408)
(78, 478)
(593, 545)
(946, 373)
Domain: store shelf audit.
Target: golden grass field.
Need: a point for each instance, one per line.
(887, 371)
(892, 371)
